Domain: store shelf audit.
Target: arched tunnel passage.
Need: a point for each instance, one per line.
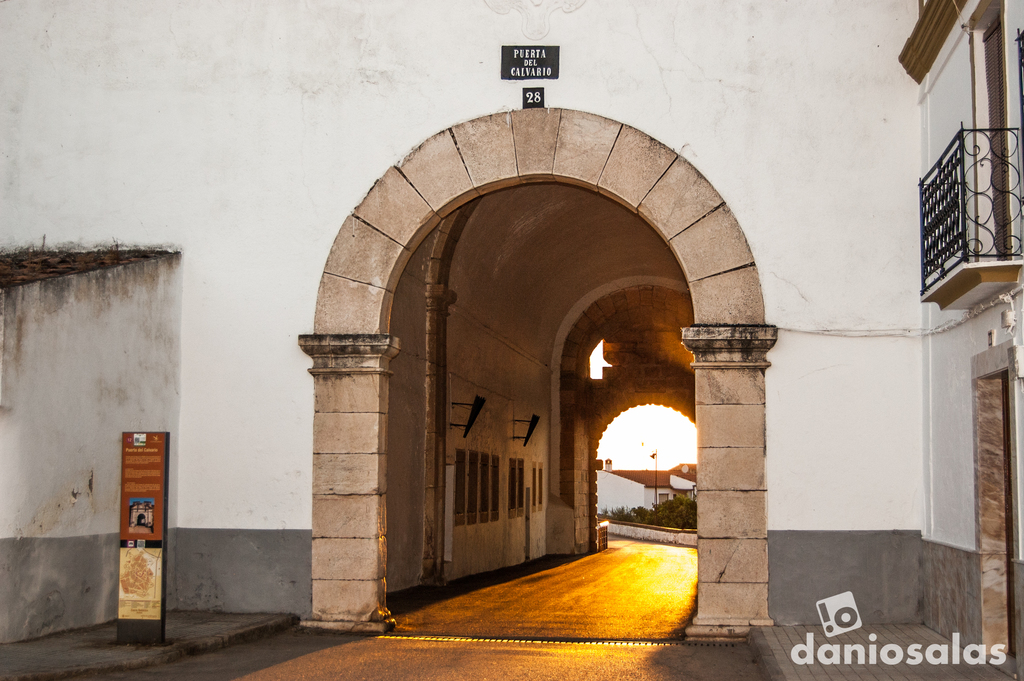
(482, 307)
(435, 191)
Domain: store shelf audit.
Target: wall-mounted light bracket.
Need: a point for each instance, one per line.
(534, 420)
(474, 410)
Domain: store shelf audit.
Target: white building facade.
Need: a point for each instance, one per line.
(615, 490)
(354, 192)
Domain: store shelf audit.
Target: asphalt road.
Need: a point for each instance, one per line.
(301, 656)
(634, 591)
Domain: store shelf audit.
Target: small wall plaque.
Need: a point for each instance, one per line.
(533, 98)
(529, 62)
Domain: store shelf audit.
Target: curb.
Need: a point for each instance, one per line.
(172, 653)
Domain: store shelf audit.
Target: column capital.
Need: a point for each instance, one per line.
(730, 347)
(349, 353)
(439, 298)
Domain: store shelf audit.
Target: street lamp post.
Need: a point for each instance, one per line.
(655, 457)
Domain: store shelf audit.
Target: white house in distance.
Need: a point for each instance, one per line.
(632, 488)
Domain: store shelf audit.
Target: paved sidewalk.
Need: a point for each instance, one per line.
(773, 646)
(94, 650)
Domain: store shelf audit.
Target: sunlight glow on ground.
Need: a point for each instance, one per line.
(661, 428)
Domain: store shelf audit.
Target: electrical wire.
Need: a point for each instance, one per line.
(1006, 298)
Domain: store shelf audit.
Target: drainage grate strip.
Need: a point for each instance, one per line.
(564, 641)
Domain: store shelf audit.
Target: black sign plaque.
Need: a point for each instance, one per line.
(533, 98)
(529, 62)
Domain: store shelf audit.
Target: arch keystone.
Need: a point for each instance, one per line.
(635, 164)
(436, 170)
(394, 207)
(584, 143)
(488, 150)
(535, 132)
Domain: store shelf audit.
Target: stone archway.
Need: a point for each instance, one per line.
(351, 346)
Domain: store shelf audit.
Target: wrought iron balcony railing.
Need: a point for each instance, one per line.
(971, 203)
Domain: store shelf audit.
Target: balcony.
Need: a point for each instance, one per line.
(971, 220)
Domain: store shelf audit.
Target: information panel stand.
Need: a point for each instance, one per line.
(142, 575)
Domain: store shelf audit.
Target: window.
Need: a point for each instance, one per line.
(511, 488)
(474, 481)
(460, 487)
(516, 483)
(540, 487)
(485, 488)
(495, 461)
(520, 485)
(533, 497)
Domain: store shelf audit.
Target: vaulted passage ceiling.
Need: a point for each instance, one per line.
(529, 253)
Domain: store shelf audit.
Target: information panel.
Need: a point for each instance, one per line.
(142, 573)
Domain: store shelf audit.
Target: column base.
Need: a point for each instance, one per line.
(723, 629)
(344, 626)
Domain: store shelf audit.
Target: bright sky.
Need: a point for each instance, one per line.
(661, 428)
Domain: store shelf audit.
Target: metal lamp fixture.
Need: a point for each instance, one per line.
(533, 421)
(474, 410)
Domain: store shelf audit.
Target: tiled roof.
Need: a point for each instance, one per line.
(646, 478)
(24, 267)
(689, 474)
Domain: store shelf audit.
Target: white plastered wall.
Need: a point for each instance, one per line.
(483, 362)
(85, 357)
(244, 136)
(614, 492)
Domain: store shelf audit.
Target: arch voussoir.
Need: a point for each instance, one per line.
(363, 254)
(395, 208)
(436, 170)
(488, 150)
(347, 306)
(635, 165)
(712, 245)
(584, 143)
(680, 198)
(729, 298)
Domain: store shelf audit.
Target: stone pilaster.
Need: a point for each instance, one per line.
(439, 299)
(350, 378)
(732, 526)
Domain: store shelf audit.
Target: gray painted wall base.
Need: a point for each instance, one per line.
(51, 584)
(881, 568)
(241, 570)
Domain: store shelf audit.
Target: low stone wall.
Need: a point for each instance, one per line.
(663, 535)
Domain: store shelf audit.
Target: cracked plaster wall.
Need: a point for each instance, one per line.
(243, 135)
